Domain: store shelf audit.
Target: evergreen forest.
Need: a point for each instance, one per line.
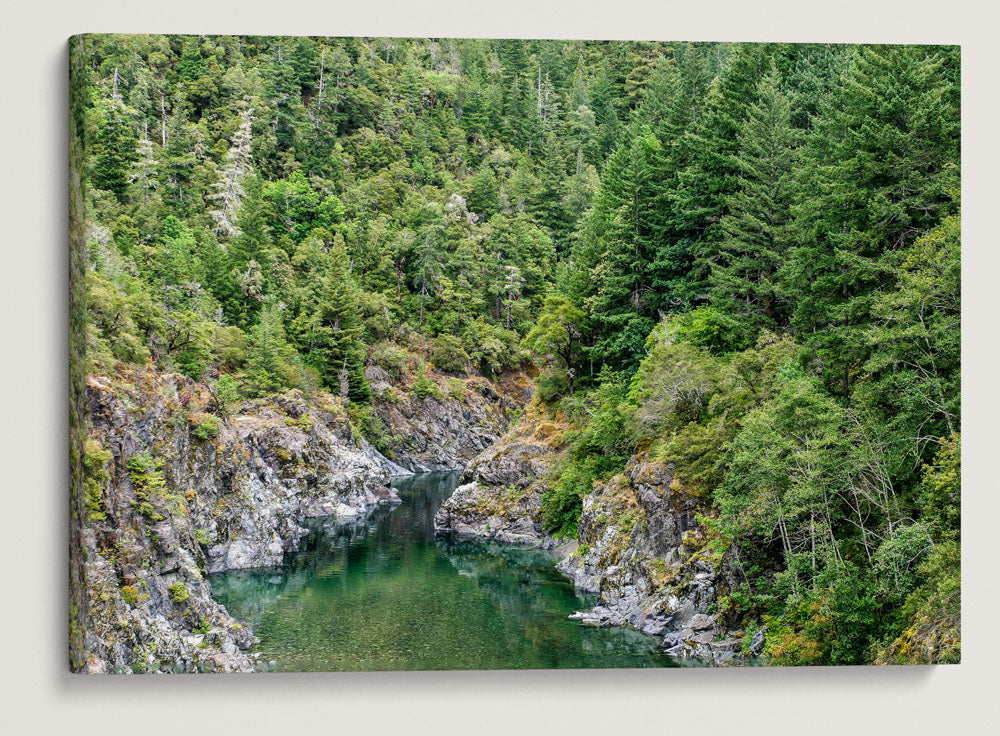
(741, 258)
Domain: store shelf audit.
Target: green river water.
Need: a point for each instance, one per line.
(385, 594)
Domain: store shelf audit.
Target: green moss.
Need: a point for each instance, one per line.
(304, 422)
(129, 594)
(95, 476)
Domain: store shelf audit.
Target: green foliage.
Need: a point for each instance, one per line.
(146, 474)
(491, 348)
(455, 388)
(95, 458)
(369, 425)
(129, 594)
(555, 340)
(448, 355)
(561, 504)
(940, 492)
(391, 358)
(424, 387)
(712, 329)
(226, 392)
(932, 614)
(114, 148)
(207, 428)
(744, 257)
(178, 592)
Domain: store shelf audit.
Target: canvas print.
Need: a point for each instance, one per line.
(429, 353)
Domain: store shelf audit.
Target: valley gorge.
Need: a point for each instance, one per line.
(172, 504)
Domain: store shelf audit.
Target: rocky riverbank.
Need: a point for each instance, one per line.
(175, 493)
(502, 487)
(647, 549)
(644, 546)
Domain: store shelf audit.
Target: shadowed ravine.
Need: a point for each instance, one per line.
(385, 594)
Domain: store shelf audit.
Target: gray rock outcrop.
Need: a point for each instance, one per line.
(500, 498)
(175, 494)
(643, 550)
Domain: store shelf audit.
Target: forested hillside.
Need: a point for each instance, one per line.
(741, 258)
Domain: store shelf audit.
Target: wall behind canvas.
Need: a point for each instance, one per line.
(45, 698)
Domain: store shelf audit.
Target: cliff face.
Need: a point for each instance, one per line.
(500, 498)
(174, 494)
(645, 549)
(447, 429)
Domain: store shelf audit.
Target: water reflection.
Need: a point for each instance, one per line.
(384, 593)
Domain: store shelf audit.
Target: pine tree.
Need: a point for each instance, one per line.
(268, 365)
(115, 150)
(337, 349)
(629, 215)
(754, 234)
(229, 187)
(147, 167)
(878, 174)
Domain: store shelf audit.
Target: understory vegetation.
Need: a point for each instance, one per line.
(743, 258)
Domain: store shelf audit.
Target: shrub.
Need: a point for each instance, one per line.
(147, 478)
(424, 386)
(391, 358)
(492, 349)
(178, 593)
(206, 428)
(229, 347)
(227, 392)
(366, 423)
(448, 355)
(456, 388)
(713, 330)
(95, 476)
(561, 504)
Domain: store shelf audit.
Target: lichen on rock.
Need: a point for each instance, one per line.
(173, 505)
(501, 495)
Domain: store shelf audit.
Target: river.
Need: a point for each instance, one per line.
(386, 594)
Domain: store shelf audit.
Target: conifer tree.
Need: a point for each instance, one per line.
(115, 149)
(877, 176)
(229, 187)
(754, 235)
(628, 213)
(337, 350)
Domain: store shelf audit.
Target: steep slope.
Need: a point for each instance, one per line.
(646, 549)
(644, 546)
(500, 498)
(450, 426)
(173, 495)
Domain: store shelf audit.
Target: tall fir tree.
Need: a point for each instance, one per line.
(878, 174)
(754, 234)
